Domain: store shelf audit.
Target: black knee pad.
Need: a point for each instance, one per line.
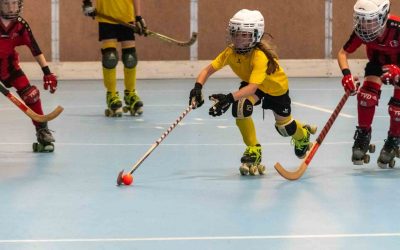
(287, 129)
(242, 108)
(109, 58)
(129, 58)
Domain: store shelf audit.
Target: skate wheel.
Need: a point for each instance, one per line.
(107, 112)
(253, 170)
(125, 109)
(313, 129)
(35, 146)
(49, 148)
(244, 169)
(366, 158)
(392, 163)
(371, 148)
(261, 169)
(397, 153)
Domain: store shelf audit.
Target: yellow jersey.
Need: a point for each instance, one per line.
(119, 9)
(252, 68)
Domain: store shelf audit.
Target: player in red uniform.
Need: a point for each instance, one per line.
(380, 33)
(15, 31)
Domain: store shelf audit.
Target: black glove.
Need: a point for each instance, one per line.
(88, 9)
(223, 102)
(196, 97)
(141, 26)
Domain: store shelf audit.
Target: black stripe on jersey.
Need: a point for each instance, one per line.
(347, 44)
(35, 47)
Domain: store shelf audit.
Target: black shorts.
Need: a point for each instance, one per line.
(373, 69)
(279, 104)
(115, 31)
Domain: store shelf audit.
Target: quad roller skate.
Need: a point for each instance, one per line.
(133, 103)
(45, 140)
(361, 146)
(389, 151)
(251, 160)
(114, 105)
(302, 146)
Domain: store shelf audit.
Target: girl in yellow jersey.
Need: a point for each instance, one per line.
(110, 33)
(263, 80)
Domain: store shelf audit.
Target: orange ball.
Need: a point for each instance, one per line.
(127, 179)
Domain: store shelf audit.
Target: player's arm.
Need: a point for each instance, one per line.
(139, 21)
(246, 91)
(196, 96)
(348, 80)
(49, 79)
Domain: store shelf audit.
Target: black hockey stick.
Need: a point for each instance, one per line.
(165, 38)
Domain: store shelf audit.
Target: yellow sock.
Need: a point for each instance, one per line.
(248, 131)
(110, 80)
(130, 79)
(300, 131)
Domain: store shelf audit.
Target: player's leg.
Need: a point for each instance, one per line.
(31, 96)
(108, 38)
(367, 99)
(287, 126)
(129, 58)
(390, 149)
(251, 159)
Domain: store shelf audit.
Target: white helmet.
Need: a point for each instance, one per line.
(10, 9)
(370, 18)
(246, 29)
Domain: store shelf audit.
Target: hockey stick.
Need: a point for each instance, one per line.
(165, 38)
(22, 106)
(140, 161)
(294, 175)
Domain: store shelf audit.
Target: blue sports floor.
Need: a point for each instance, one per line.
(189, 194)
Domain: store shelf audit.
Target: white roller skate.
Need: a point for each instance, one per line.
(251, 160)
(389, 151)
(362, 146)
(302, 146)
(114, 105)
(133, 103)
(45, 140)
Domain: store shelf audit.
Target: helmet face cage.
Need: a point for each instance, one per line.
(10, 9)
(369, 25)
(245, 30)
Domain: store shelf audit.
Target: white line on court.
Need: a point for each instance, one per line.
(321, 109)
(261, 237)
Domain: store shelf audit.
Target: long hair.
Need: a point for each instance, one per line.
(269, 50)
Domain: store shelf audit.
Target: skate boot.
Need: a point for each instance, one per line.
(133, 103)
(361, 146)
(251, 160)
(45, 140)
(114, 105)
(389, 151)
(302, 146)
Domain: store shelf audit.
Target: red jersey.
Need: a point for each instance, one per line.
(383, 50)
(17, 33)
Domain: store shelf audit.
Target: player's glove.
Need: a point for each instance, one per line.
(349, 82)
(391, 74)
(196, 96)
(88, 9)
(49, 80)
(221, 105)
(141, 26)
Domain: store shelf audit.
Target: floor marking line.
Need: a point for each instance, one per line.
(311, 236)
(321, 109)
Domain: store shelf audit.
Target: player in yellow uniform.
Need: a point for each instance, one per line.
(263, 80)
(110, 33)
